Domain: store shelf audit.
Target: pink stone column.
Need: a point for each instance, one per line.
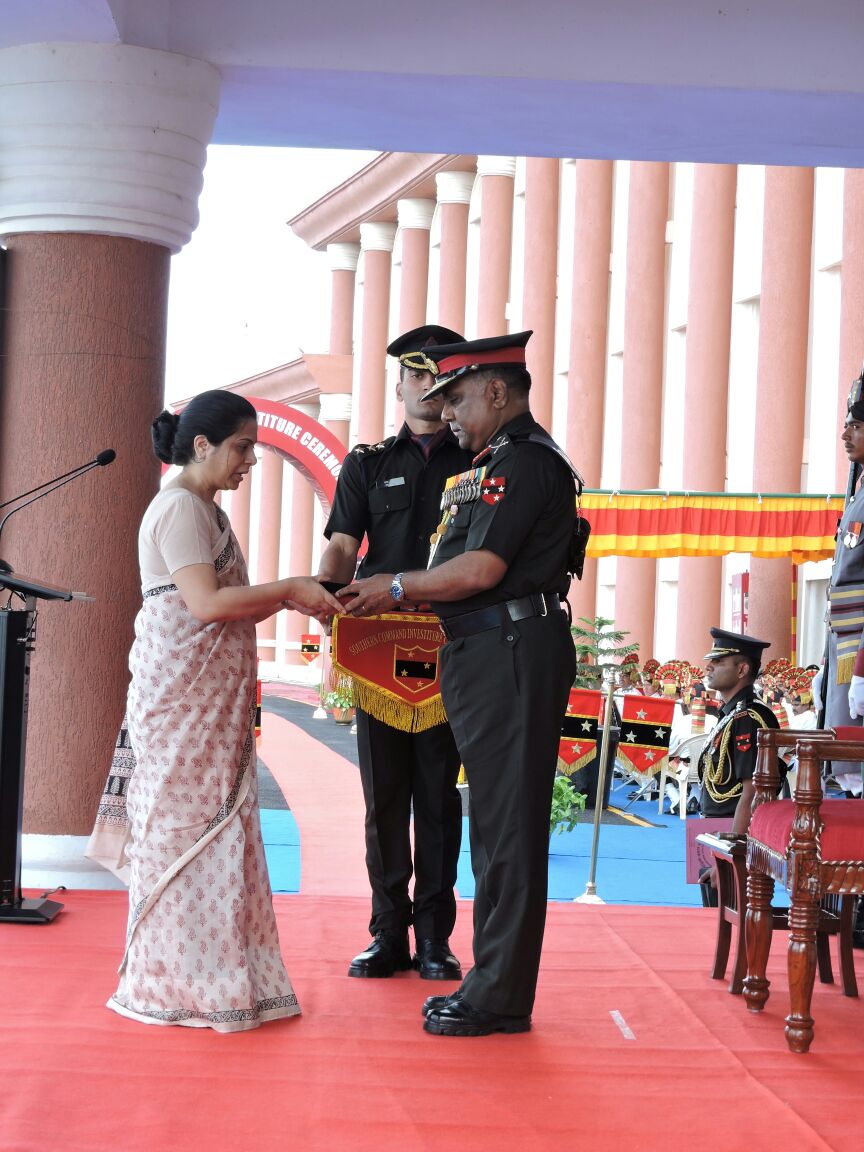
(496, 241)
(781, 380)
(239, 512)
(301, 549)
(454, 197)
(709, 325)
(586, 378)
(269, 532)
(644, 326)
(542, 184)
(376, 242)
(336, 414)
(851, 305)
(414, 219)
(343, 264)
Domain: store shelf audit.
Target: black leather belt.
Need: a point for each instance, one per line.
(537, 604)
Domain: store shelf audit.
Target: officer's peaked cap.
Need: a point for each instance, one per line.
(455, 360)
(733, 643)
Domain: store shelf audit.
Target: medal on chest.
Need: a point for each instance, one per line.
(464, 488)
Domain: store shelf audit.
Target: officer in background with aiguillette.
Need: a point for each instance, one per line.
(498, 572)
(840, 684)
(389, 493)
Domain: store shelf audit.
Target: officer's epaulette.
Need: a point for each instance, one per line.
(368, 449)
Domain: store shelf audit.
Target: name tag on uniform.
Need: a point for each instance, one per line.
(393, 482)
(853, 534)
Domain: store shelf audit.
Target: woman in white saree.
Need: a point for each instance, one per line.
(179, 818)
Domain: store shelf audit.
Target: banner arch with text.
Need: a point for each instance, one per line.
(304, 442)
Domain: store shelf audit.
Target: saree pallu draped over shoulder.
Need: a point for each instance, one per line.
(179, 821)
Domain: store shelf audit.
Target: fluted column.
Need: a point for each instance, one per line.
(454, 197)
(781, 379)
(496, 241)
(376, 242)
(269, 531)
(709, 326)
(103, 153)
(644, 324)
(851, 305)
(300, 558)
(343, 264)
(586, 377)
(542, 183)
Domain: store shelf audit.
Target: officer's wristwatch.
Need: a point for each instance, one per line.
(397, 592)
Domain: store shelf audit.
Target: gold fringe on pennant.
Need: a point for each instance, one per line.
(389, 708)
(462, 778)
(568, 769)
(654, 770)
(845, 668)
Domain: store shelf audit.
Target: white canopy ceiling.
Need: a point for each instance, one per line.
(769, 81)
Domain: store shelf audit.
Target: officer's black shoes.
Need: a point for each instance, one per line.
(434, 961)
(436, 1003)
(388, 953)
(458, 1018)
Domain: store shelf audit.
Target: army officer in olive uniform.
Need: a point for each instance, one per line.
(497, 573)
(389, 493)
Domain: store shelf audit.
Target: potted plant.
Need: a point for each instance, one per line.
(601, 650)
(567, 803)
(340, 701)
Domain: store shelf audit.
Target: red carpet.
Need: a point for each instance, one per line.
(357, 1072)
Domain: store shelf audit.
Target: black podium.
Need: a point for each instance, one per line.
(17, 639)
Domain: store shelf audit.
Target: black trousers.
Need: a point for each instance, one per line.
(506, 691)
(401, 770)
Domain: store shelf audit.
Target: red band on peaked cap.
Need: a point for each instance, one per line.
(481, 359)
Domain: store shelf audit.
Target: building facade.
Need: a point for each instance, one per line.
(696, 327)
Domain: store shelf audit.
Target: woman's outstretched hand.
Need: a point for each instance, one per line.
(306, 595)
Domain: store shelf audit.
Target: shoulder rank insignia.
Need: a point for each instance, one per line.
(491, 448)
(853, 534)
(492, 490)
(366, 449)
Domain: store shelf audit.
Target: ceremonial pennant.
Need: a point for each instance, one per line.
(310, 646)
(646, 722)
(578, 744)
(391, 662)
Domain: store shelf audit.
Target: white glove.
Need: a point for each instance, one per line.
(856, 697)
(817, 685)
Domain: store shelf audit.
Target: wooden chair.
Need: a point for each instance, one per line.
(815, 849)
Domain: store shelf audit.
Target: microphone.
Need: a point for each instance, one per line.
(104, 457)
(107, 456)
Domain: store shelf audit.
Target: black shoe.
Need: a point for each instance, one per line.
(458, 1018)
(388, 953)
(436, 1003)
(434, 960)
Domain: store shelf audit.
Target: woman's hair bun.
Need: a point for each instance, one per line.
(163, 430)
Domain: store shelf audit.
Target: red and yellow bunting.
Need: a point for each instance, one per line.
(391, 662)
(710, 524)
(646, 722)
(578, 744)
(310, 646)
